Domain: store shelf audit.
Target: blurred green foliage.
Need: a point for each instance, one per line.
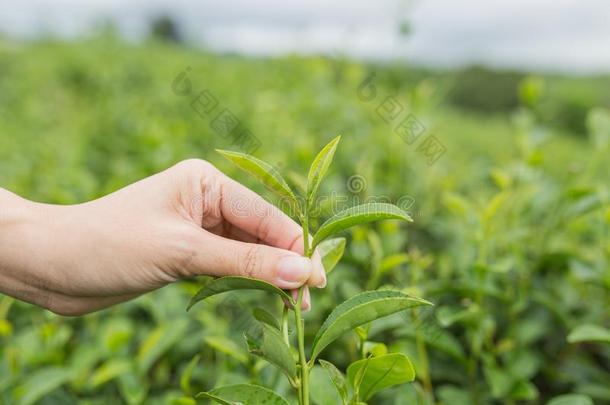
(510, 239)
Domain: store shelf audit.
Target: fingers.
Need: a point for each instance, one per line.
(223, 257)
(250, 218)
(250, 212)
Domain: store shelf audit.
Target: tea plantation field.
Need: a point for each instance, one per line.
(507, 180)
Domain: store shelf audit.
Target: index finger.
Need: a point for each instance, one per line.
(251, 213)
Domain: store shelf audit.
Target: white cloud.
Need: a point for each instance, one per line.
(543, 34)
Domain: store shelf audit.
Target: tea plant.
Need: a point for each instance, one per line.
(270, 338)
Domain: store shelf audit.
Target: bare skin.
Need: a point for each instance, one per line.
(186, 221)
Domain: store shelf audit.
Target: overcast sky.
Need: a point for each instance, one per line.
(557, 35)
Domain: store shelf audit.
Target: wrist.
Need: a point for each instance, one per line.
(17, 224)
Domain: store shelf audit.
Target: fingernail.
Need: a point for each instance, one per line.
(306, 305)
(319, 269)
(293, 271)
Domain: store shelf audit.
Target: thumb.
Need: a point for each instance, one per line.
(218, 256)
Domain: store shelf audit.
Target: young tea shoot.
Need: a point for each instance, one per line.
(270, 339)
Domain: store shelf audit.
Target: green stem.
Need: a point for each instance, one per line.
(300, 324)
(306, 237)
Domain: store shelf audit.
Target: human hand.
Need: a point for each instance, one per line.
(188, 220)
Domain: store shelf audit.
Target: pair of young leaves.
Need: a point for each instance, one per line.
(368, 376)
(273, 180)
(267, 342)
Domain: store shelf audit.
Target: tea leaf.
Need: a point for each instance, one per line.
(571, 399)
(392, 261)
(318, 169)
(133, 388)
(337, 377)
(358, 310)
(230, 283)
(40, 383)
(264, 316)
(160, 340)
(331, 251)
(357, 380)
(589, 333)
(109, 371)
(243, 394)
(380, 373)
(228, 347)
(524, 391)
(268, 343)
(185, 378)
(262, 171)
(357, 215)
(322, 389)
(215, 398)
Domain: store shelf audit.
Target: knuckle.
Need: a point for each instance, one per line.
(263, 231)
(196, 165)
(251, 262)
(186, 255)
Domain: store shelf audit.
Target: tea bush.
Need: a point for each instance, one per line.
(509, 238)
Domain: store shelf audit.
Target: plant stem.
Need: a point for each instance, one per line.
(306, 251)
(304, 386)
(300, 323)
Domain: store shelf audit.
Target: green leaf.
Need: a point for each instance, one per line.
(110, 370)
(357, 215)
(331, 251)
(524, 391)
(215, 398)
(318, 169)
(337, 377)
(224, 284)
(571, 399)
(228, 347)
(262, 171)
(267, 342)
(499, 381)
(264, 316)
(589, 333)
(40, 383)
(392, 261)
(360, 309)
(322, 390)
(159, 341)
(356, 381)
(185, 378)
(381, 372)
(245, 394)
(133, 388)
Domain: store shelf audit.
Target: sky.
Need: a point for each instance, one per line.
(561, 35)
